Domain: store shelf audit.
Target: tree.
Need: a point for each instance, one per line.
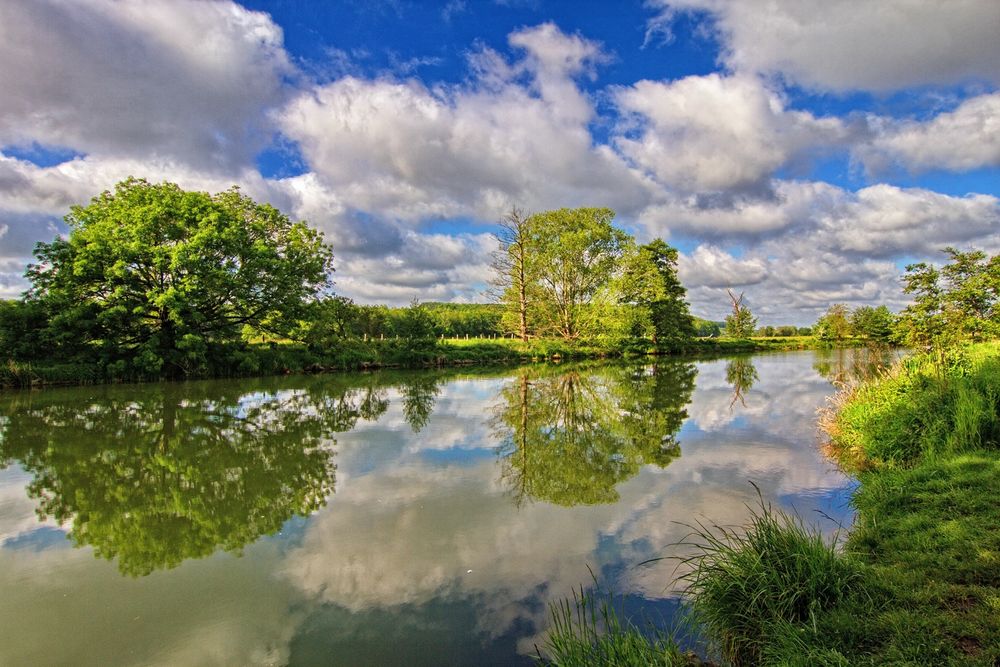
(512, 280)
(151, 273)
(740, 324)
(834, 324)
(574, 254)
(651, 283)
(872, 323)
(958, 302)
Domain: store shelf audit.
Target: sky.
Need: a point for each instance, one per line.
(800, 151)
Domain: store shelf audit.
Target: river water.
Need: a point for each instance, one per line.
(407, 518)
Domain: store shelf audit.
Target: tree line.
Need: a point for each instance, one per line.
(155, 281)
(952, 304)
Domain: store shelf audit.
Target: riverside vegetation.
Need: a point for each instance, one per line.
(156, 282)
(917, 580)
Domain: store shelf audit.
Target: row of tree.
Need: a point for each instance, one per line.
(956, 303)
(155, 280)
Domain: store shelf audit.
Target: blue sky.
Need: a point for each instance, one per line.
(802, 151)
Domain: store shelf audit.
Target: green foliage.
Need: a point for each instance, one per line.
(575, 253)
(835, 324)
(740, 324)
(749, 586)
(514, 282)
(706, 328)
(915, 412)
(874, 324)
(956, 303)
(150, 274)
(651, 283)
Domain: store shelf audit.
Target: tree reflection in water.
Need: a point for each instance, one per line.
(741, 375)
(152, 476)
(843, 366)
(569, 437)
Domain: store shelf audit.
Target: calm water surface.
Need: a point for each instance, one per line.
(423, 518)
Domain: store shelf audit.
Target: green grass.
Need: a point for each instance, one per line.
(757, 591)
(277, 357)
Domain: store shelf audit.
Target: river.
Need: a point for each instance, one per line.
(392, 518)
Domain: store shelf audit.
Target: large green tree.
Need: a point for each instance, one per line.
(835, 324)
(651, 283)
(152, 273)
(573, 258)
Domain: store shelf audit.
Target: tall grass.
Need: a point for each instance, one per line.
(919, 410)
(586, 630)
(756, 591)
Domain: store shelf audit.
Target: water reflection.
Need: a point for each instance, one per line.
(741, 374)
(570, 437)
(154, 477)
(421, 543)
(842, 366)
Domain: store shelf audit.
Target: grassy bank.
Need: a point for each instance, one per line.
(917, 581)
(281, 357)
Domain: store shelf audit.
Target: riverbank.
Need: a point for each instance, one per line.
(917, 581)
(284, 357)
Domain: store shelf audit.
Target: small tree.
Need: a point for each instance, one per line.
(835, 324)
(873, 324)
(959, 302)
(740, 324)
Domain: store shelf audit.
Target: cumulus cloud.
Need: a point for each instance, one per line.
(717, 132)
(885, 221)
(187, 80)
(960, 140)
(790, 204)
(414, 152)
(838, 246)
(709, 266)
(855, 44)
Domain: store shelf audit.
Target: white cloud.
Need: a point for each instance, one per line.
(412, 152)
(717, 132)
(856, 44)
(179, 79)
(709, 266)
(838, 246)
(886, 221)
(960, 140)
(792, 204)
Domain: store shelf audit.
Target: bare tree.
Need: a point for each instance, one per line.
(741, 323)
(511, 278)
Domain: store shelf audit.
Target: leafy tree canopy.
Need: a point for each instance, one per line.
(575, 253)
(152, 272)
